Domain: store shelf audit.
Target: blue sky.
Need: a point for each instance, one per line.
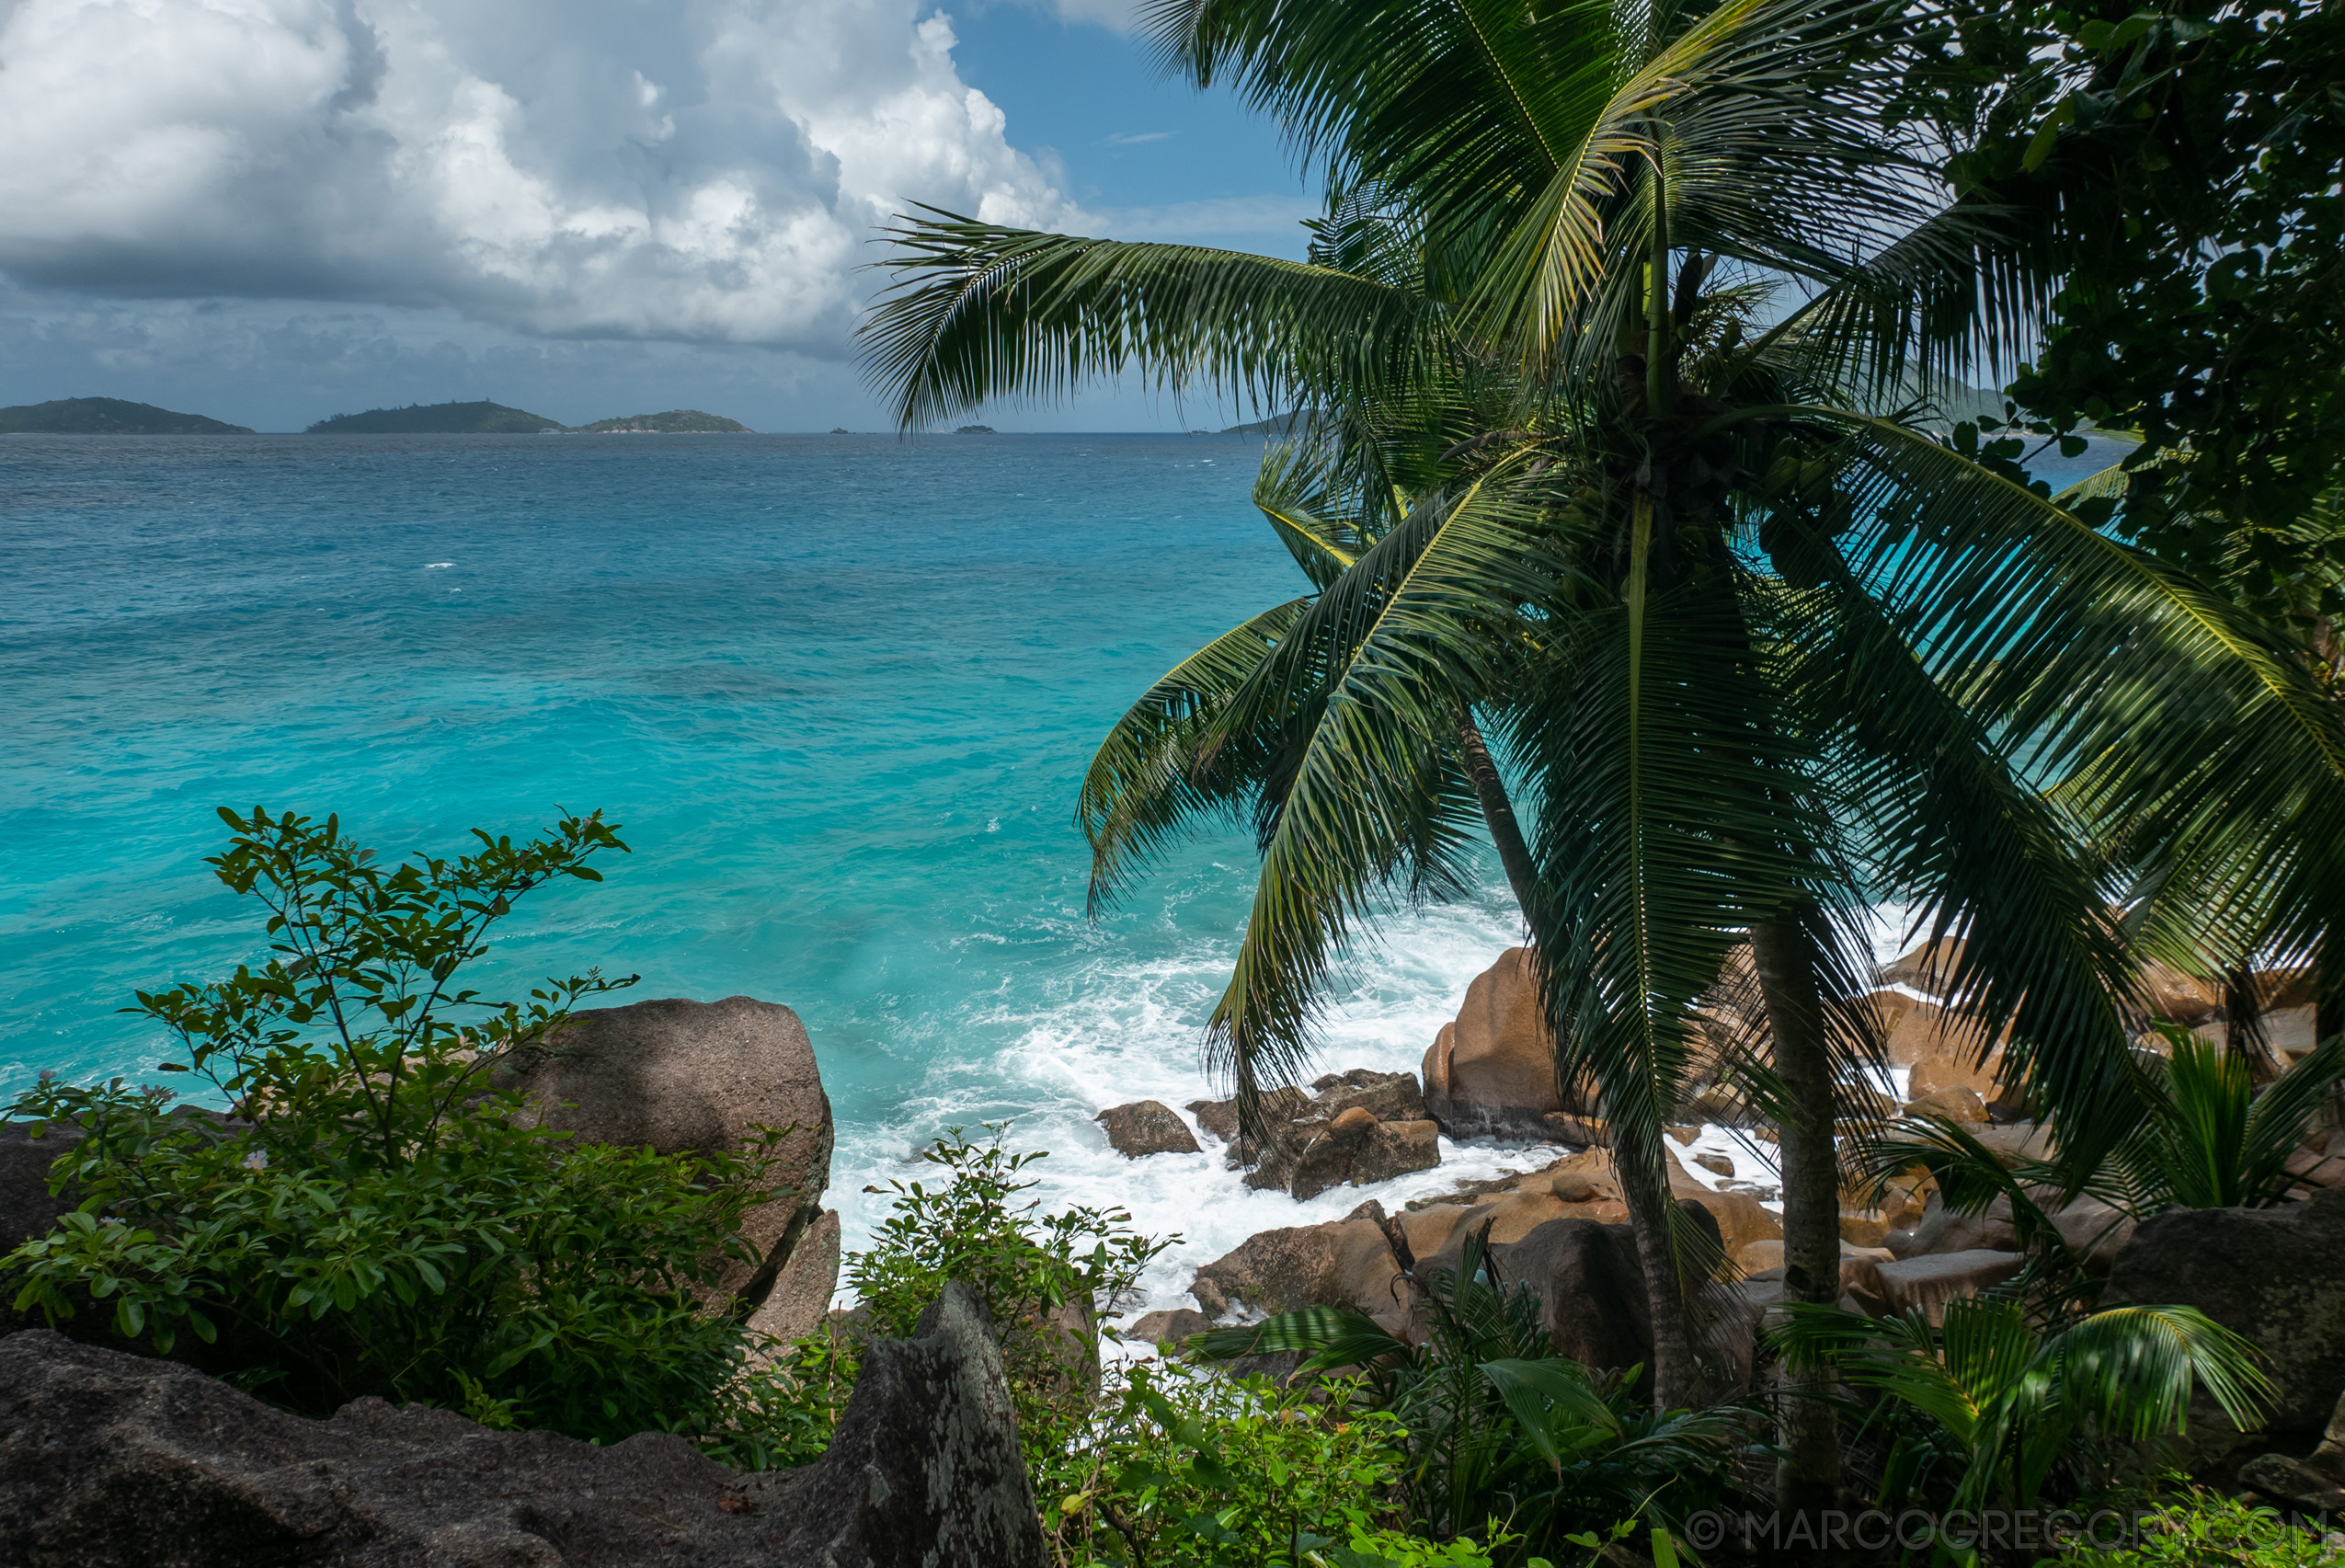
(286, 209)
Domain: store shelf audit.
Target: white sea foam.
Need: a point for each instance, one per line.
(1125, 1030)
(436, 566)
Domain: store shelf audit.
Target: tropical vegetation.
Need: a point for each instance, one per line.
(1623, 331)
(371, 1217)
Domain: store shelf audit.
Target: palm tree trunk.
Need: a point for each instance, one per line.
(1784, 951)
(1514, 854)
(1644, 1187)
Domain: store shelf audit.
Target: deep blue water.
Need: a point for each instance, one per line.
(837, 690)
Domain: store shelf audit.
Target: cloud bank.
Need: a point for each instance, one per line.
(698, 170)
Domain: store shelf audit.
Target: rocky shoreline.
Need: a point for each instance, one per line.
(103, 1454)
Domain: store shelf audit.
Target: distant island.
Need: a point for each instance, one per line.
(977, 430)
(1286, 424)
(482, 419)
(675, 422)
(107, 417)
(487, 418)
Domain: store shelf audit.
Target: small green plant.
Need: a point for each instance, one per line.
(371, 1217)
(1394, 1549)
(1506, 1441)
(1048, 1280)
(2003, 1404)
(1180, 1469)
(2205, 1530)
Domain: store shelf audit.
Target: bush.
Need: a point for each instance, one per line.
(1186, 1469)
(1502, 1435)
(2209, 1530)
(369, 1218)
(1048, 1280)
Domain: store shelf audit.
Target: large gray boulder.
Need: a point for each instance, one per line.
(700, 1077)
(109, 1461)
(2276, 1275)
(27, 1208)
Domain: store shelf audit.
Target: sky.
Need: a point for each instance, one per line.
(270, 212)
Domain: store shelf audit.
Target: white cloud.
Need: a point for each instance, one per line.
(705, 170)
(1138, 138)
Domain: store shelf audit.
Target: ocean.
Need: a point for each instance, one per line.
(838, 693)
(837, 690)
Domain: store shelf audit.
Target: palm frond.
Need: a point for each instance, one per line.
(977, 312)
(1175, 761)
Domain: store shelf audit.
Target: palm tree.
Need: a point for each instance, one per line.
(1756, 646)
(1498, 1429)
(1190, 748)
(2003, 1401)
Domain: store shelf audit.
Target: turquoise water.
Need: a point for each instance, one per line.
(837, 690)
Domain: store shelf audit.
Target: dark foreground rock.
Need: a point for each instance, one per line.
(695, 1078)
(109, 1461)
(2276, 1275)
(27, 1208)
(1146, 1127)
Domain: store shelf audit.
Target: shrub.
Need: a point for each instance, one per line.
(1502, 1435)
(2208, 1530)
(1050, 1280)
(369, 1218)
(1187, 1469)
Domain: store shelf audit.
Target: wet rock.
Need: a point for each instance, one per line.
(109, 1461)
(699, 1078)
(1360, 1126)
(1346, 1262)
(1329, 1159)
(1168, 1328)
(1219, 1118)
(1147, 1127)
(1716, 1164)
(1397, 1149)
(1387, 1096)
